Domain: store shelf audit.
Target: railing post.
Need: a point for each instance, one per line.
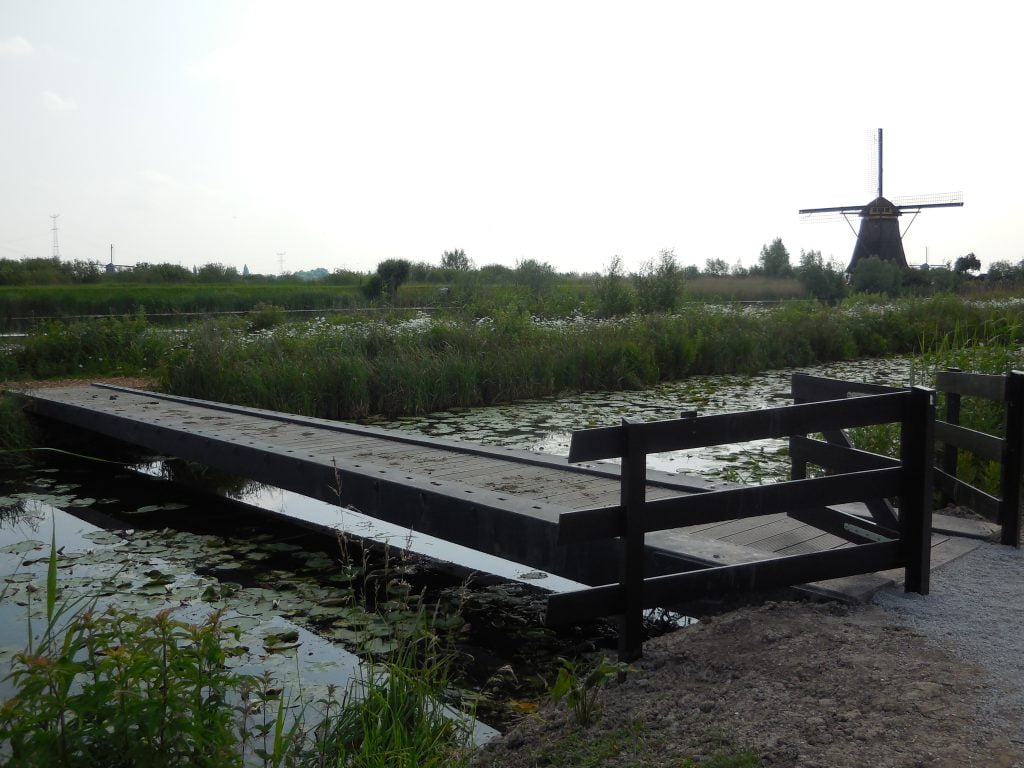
(632, 497)
(917, 455)
(1009, 508)
(950, 452)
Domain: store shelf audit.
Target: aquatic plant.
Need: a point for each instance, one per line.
(376, 368)
(110, 686)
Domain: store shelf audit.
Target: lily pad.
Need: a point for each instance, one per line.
(103, 537)
(21, 547)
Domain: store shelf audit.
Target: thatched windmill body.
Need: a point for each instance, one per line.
(879, 233)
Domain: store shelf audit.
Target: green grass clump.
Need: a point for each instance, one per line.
(16, 434)
(109, 346)
(115, 689)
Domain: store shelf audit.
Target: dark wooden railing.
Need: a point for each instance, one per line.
(1008, 390)
(876, 547)
(950, 436)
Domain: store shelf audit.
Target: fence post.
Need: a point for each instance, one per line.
(632, 497)
(917, 454)
(1009, 508)
(950, 453)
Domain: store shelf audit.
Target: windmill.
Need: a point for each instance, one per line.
(879, 233)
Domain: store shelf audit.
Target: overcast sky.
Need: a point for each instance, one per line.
(345, 133)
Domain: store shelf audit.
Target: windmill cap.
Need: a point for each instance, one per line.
(880, 208)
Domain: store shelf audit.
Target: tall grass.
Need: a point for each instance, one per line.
(370, 369)
(122, 299)
(109, 346)
(988, 343)
(15, 430)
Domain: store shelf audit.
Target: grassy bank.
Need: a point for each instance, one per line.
(372, 369)
(122, 299)
(396, 366)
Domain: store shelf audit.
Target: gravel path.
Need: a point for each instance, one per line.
(976, 612)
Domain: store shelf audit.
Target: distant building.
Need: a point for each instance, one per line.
(245, 270)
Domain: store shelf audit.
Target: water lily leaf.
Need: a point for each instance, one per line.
(21, 547)
(82, 502)
(345, 635)
(281, 546)
(277, 638)
(103, 537)
(243, 623)
(380, 646)
(319, 563)
(282, 648)
(452, 622)
(18, 578)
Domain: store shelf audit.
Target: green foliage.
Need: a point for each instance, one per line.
(580, 686)
(398, 720)
(659, 284)
(612, 293)
(16, 432)
(965, 264)
(89, 347)
(112, 688)
(264, 316)
(825, 281)
(373, 368)
(774, 259)
(51, 271)
(392, 273)
(536, 277)
(716, 268)
(116, 689)
(1005, 271)
(456, 260)
(131, 298)
(872, 275)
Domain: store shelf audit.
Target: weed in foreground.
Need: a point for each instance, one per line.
(111, 688)
(580, 686)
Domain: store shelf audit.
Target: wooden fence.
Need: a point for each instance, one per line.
(950, 436)
(1008, 390)
(875, 547)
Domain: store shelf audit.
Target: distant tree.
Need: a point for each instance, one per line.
(775, 259)
(456, 260)
(872, 275)
(374, 288)
(965, 264)
(393, 272)
(659, 283)
(341, 276)
(614, 298)
(716, 268)
(145, 272)
(824, 280)
(538, 277)
(216, 273)
(496, 273)
(1005, 270)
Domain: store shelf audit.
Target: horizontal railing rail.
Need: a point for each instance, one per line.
(872, 546)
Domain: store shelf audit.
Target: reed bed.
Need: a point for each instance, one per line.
(372, 368)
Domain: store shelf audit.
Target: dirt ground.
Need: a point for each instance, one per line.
(796, 683)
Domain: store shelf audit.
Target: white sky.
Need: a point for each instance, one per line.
(346, 133)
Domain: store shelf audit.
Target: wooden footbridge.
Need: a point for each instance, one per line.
(509, 503)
